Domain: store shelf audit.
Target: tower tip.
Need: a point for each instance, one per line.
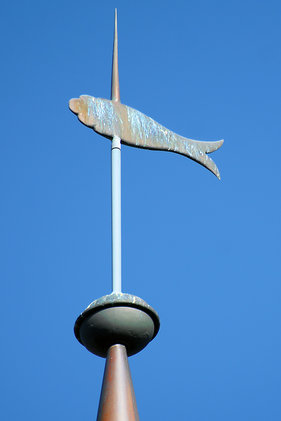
(115, 90)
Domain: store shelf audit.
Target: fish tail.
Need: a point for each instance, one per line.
(208, 147)
(198, 151)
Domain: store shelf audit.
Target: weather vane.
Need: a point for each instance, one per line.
(119, 324)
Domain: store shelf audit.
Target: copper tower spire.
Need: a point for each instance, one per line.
(119, 325)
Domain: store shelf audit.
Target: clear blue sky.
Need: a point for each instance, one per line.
(204, 253)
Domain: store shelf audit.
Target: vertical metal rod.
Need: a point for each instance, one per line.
(116, 175)
(116, 213)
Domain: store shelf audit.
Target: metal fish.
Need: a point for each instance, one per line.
(111, 118)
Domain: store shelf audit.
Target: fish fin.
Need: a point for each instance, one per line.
(207, 162)
(207, 147)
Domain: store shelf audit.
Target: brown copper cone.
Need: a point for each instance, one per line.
(117, 401)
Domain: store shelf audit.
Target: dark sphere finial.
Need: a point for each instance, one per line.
(117, 319)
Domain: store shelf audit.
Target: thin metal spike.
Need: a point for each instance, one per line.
(115, 90)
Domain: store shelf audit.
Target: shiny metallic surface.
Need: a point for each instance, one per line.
(117, 401)
(113, 119)
(134, 128)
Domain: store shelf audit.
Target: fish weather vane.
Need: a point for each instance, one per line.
(118, 324)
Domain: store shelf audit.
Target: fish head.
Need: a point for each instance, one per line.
(84, 108)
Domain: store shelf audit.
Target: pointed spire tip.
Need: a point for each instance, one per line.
(115, 90)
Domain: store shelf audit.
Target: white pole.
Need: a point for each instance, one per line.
(116, 212)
